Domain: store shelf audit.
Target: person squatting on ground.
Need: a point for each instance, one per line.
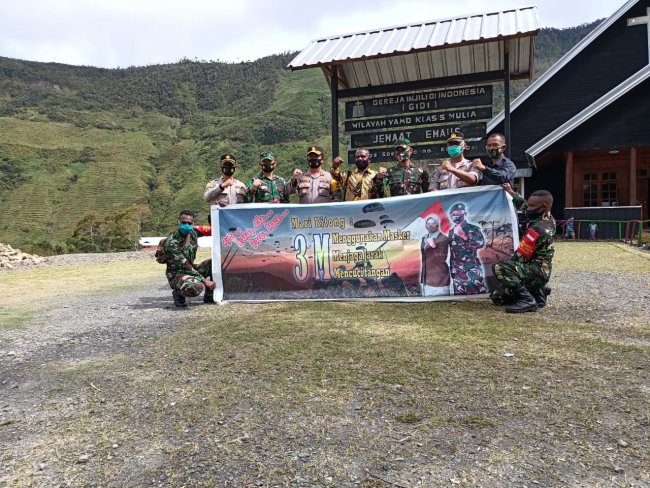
(268, 187)
(227, 190)
(185, 278)
(523, 277)
(362, 183)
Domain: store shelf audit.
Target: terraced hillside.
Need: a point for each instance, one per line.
(78, 141)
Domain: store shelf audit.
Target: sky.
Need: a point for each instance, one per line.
(123, 33)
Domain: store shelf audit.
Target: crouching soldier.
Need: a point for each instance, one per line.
(179, 252)
(524, 276)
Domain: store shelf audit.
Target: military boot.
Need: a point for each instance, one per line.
(179, 300)
(208, 296)
(502, 296)
(525, 301)
(540, 294)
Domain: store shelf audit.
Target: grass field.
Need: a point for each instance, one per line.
(343, 394)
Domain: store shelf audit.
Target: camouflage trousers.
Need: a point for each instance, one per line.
(512, 274)
(189, 285)
(468, 278)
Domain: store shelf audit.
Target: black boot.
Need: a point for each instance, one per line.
(540, 295)
(179, 300)
(525, 301)
(502, 296)
(208, 296)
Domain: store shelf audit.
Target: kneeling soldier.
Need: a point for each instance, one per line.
(524, 276)
(185, 278)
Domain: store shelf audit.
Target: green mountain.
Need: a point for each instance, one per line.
(90, 157)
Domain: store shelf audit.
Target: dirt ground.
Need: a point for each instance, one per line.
(121, 389)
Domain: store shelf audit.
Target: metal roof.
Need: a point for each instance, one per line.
(433, 49)
(563, 61)
(611, 96)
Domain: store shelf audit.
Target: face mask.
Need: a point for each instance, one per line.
(494, 153)
(361, 165)
(185, 228)
(456, 219)
(533, 215)
(454, 151)
(267, 168)
(314, 163)
(228, 170)
(404, 156)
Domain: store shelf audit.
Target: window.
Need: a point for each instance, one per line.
(590, 190)
(599, 190)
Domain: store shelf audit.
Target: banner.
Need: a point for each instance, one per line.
(438, 245)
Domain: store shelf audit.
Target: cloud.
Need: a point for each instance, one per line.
(141, 32)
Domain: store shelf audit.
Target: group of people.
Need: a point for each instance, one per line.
(316, 185)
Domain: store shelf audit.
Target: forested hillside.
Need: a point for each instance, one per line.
(90, 158)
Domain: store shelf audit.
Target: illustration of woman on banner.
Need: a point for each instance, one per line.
(434, 275)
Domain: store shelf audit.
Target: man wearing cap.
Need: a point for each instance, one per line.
(500, 169)
(456, 172)
(226, 190)
(405, 179)
(361, 183)
(465, 264)
(314, 185)
(267, 186)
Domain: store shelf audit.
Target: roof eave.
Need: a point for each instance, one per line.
(560, 63)
(576, 121)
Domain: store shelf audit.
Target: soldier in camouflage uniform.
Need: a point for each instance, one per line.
(267, 186)
(524, 276)
(465, 264)
(361, 183)
(405, 179)
(185, 278)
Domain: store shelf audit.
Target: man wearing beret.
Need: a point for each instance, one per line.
(404, 178)
(314, 185)
(456, 172)
(499, 169)
(361, 183)
(227, 190)
(466, 240)
(267, 186)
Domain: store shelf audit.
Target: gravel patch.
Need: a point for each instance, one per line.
(86, 329)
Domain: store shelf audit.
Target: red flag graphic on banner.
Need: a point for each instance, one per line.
(437, 210)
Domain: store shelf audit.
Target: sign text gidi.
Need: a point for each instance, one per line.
(419, 102)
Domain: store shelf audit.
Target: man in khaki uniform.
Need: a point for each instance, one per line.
(314, 185)
(226, 190)
(456, 172)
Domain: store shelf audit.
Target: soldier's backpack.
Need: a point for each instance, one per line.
(161, 253)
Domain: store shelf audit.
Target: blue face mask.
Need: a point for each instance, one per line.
(185, 228)
(454, 151)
